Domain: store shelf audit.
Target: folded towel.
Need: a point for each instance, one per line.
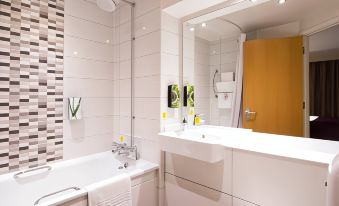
(227, 76)
(115, 191)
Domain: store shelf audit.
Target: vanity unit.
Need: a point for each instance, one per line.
(225, 166)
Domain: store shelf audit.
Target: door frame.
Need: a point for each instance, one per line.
(306, 34)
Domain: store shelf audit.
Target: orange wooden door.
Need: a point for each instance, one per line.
(273, 86)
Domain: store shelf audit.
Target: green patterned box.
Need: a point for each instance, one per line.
(189, 96)
(173, 96)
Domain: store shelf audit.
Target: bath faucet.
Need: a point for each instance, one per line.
(126, 151)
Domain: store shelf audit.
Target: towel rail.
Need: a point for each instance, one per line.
(54, 193)
(17, 175)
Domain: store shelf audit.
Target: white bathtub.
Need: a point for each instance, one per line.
(27, 188)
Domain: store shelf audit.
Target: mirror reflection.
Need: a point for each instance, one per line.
(262, 71)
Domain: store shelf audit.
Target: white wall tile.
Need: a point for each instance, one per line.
(201, 80)
(147, 108)
(125, 69)
(116, 123)
(169, 64)
(74, 148)
(125, 88)
(125, 125)
(85, 29)
(202, 91)
(169, 43)
(147, 23)
(89, 11)
(116, 72)
(116, 88)
(147, 44)
(125, 32)
(116, 107)
(125, 107)
(125, 51)
(85, 68)
(93, 107)
(148, 65)
(230, 57)
(88, 127)
(125, 13)
(169, 23)
(149, 132)
(145, 6)
(81, 48)
(147, 86)
(74, 87)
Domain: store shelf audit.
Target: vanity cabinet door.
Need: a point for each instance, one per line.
(269, 180)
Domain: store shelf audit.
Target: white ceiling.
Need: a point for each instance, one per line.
(272, 14)
(268, 14)
(325, 40)
(183, 8)
(216, 29)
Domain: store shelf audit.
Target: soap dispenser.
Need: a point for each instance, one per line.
(184, 123)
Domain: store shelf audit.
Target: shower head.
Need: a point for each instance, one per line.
(108, 5)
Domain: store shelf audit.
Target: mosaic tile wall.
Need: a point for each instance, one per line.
(31, 83)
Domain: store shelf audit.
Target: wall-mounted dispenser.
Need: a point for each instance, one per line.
(189, 96)
(74, 108)
(173, 96)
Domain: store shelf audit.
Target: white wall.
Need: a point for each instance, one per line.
(88, 73)
(279, 31)
(324, 45)
(169, 65)
(202, 78)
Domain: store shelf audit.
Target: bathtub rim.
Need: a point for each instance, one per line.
(139, 168)
(68, 162)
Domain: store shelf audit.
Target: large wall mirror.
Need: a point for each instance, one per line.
(264, 68)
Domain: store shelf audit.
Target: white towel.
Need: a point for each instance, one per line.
(115, 191)
(227, 76)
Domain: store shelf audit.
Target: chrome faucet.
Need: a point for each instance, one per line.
(126, 151)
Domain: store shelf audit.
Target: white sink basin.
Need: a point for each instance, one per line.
(193, 144)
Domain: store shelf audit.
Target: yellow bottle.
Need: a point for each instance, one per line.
(196, 120)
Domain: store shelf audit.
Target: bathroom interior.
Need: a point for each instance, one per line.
(169, 102)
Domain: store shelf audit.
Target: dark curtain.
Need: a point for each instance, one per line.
(324, 89)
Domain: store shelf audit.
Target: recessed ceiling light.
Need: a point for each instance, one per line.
(75, 53)
(203, 24)
(144, 28)
(281, 1)
(192, 29)
(253, 1)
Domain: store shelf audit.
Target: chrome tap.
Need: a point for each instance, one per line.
(126, 151)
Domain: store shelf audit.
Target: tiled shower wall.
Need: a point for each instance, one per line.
(31, 82)
(89, 73)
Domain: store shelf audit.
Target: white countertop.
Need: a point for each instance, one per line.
(314, 150)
